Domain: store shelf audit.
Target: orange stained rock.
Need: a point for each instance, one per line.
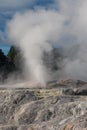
(68, 127)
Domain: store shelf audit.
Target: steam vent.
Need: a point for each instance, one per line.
(62, 105)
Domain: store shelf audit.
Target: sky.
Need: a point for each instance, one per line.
(8, 8)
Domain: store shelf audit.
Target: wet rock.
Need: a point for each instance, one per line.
(71, 91)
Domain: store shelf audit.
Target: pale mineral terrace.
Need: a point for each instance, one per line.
(60, 106)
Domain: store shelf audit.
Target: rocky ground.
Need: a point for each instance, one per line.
(60, 106)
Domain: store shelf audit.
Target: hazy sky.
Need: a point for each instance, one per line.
(8, 8)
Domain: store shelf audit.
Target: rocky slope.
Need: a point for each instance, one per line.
(60, 106)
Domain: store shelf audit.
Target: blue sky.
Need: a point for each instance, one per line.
(8, 8)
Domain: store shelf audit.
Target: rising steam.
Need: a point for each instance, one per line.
(33, 32)
(36, 31)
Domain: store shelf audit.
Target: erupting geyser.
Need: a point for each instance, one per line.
(33, 32)
(36, 31)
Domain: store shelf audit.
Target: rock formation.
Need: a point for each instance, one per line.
(59, 107)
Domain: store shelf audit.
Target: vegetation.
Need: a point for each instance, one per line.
(14, 61)
(6, 66)
(15, 56)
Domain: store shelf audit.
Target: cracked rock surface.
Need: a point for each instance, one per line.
(60, 106)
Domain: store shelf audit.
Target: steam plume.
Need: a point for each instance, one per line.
(35, 31)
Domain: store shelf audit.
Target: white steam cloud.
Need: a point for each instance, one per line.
(77, 29)
(35, 31)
